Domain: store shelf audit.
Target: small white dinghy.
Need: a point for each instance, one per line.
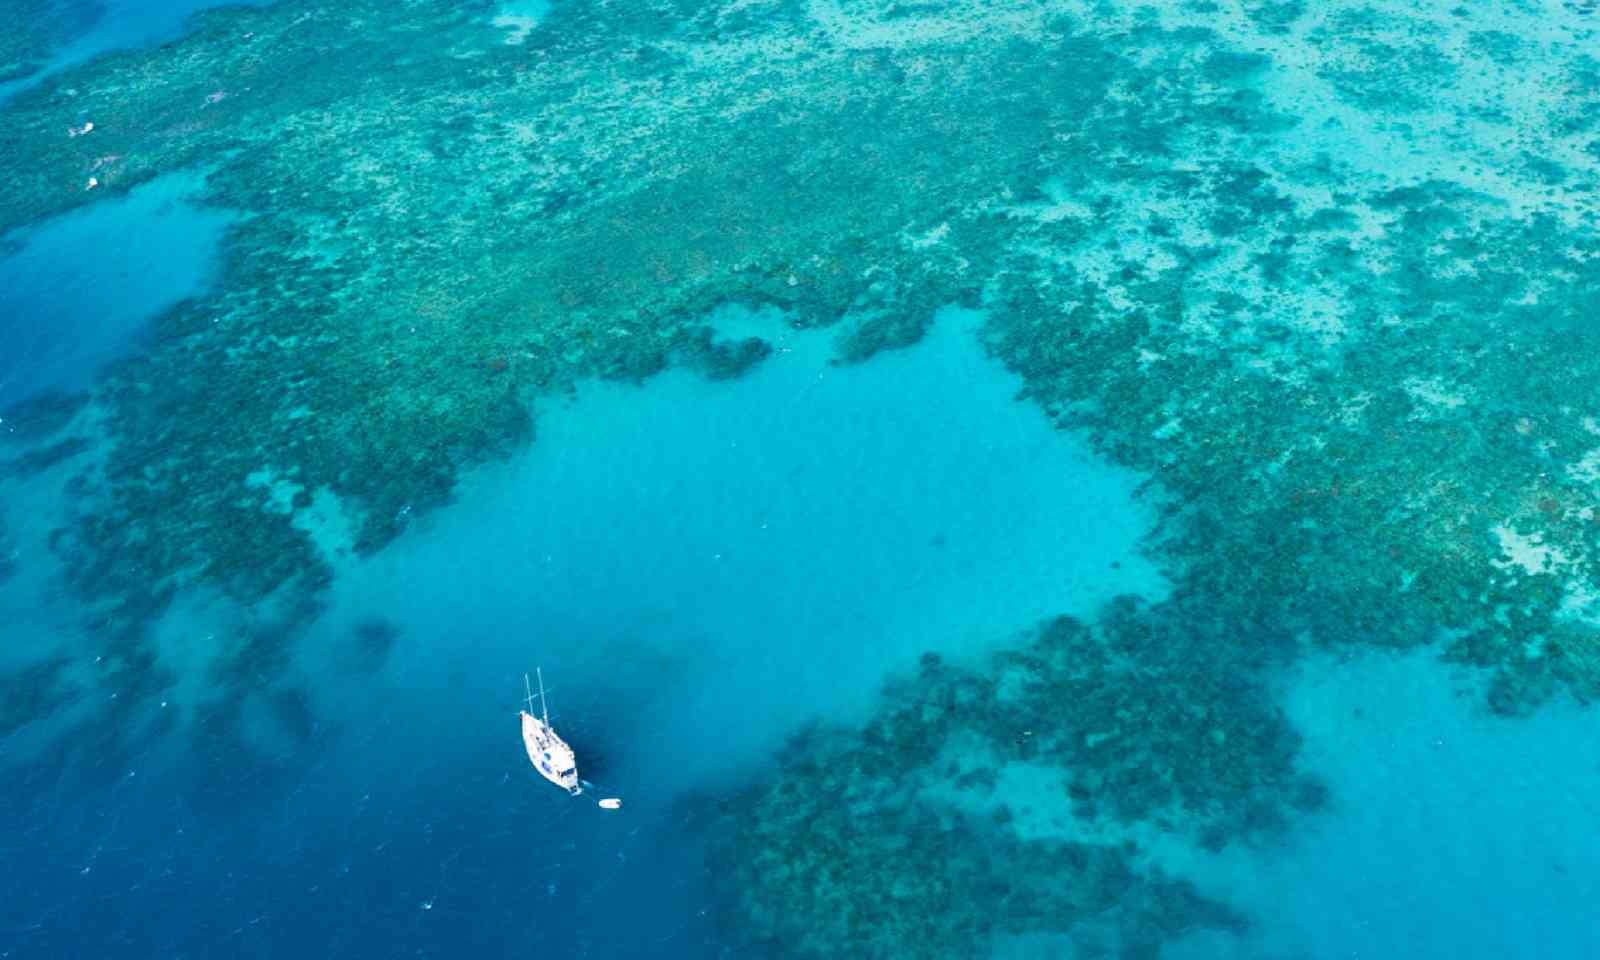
(550, 754)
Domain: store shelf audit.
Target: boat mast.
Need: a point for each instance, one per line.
(542, 705)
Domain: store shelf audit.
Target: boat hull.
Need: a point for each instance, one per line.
(550, 755)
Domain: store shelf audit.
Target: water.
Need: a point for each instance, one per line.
(836, 524)
(118, 25)
(518, 19)
(774, 569)
(706, 569)
(1447, 822)
(78, 289)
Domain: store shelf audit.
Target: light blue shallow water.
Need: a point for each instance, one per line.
(768, 547)
(1452, 833)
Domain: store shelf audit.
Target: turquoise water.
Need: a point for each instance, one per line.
(76, 291)
(701, 567)
(1332, 694)
(109, 25)
(1454, 834)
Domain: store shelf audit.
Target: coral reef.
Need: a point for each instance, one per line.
(894, 840)
(42, 459)
(8, 555)
(722, 359)
(39, 415)
(1327, 358)
(1170, 257)
(372, 638)
(1326, 274)
(30, 30)
(31, 692)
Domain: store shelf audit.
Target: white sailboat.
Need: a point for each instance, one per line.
(550, 754)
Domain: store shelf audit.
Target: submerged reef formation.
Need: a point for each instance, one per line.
(8, 556)
(1324, 273)
(1285, 261)
(1174, 248)
(38, 416)
(30, 30)
(1012, 798)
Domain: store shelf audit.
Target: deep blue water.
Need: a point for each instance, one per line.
(701, 568)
